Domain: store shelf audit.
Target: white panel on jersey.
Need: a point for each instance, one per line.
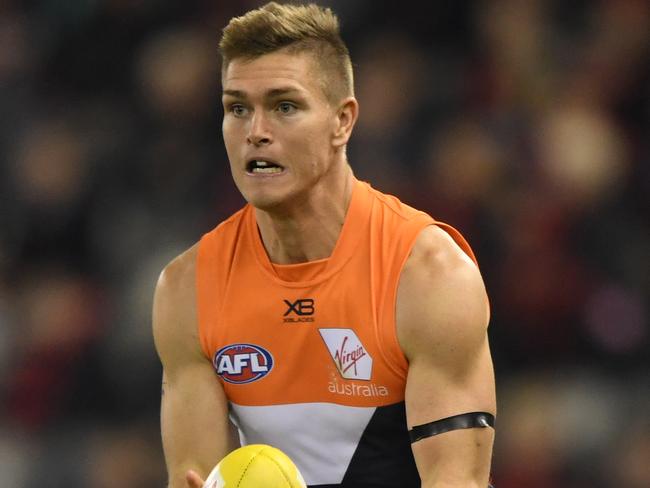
(319, 437)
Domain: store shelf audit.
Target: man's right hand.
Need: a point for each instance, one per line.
(193, 480)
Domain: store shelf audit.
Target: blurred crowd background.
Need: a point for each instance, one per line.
(524, 123)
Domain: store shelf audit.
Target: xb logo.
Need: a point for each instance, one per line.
(303, 308)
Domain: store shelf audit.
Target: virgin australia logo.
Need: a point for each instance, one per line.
(350, 357)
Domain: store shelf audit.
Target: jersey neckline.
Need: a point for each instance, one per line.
(356, 221)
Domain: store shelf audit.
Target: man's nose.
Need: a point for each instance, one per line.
(258, 134)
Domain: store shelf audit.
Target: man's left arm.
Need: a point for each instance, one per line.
(442, 317)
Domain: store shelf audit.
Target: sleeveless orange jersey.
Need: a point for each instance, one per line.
(307, 353)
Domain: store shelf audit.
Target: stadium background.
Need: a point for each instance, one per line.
(526, 124)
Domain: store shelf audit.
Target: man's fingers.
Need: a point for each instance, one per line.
(193, 479)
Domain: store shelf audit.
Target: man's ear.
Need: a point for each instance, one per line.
(346, 117)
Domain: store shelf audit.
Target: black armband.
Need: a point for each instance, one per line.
(463, 421)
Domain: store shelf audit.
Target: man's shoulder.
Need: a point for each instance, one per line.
(436, 251)
(439, 269)
(174, 309)
(440, 284)
(180, 271)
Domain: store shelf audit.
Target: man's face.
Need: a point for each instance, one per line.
(278, 127)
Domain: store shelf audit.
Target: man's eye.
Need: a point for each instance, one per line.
(286, 107)
(238, 110)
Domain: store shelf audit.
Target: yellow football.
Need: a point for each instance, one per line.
(255, 466)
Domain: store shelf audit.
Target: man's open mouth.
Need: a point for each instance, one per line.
(257, 166)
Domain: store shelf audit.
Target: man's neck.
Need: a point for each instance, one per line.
(310, 230)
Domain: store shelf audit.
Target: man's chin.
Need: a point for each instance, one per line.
(274, 199)
(266, 202)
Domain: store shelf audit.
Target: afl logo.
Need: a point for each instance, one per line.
(242, 363)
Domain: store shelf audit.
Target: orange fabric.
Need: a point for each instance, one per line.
(245, 299)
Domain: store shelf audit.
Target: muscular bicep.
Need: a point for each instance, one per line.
(194, 412)
(442, 317)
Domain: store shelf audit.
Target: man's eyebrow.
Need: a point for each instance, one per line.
(235, 93)
(275, 92)
(281, 91)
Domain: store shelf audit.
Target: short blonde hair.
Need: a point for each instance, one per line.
(299, 29)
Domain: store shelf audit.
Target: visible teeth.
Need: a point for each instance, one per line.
(272, 169)
(265, 167)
